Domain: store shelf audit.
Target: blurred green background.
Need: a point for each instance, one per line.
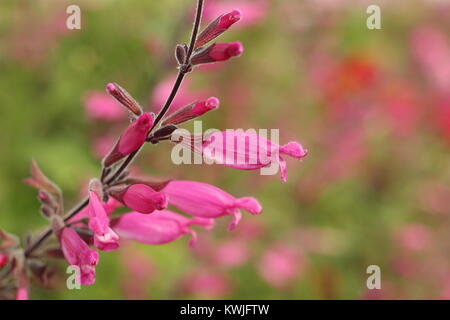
(367, 104)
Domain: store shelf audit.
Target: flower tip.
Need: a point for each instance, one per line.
(212, 103)
(235, 49)
(145, 119)
(234, 16)
(294, 149)
(111, 87)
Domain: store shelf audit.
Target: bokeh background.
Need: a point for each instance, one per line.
(371, 106)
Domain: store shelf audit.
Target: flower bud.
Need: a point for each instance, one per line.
(217, 52)
(131, 140)
(181, 53)
(192, 111)
(141, 198)
(121, 95)
(217, 27)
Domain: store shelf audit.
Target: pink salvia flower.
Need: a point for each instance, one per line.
(192, 111)
(207, 201)
(158, 228)
(217, 52)
(77, 253)
(141, 198)
(217, 27)
(131, 140)
(241, 150)
(104, 237)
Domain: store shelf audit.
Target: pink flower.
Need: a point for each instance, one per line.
(192, 111)
(131, 140)
(232, 253)
(77, 253)
(100, 106)
(431, 49)
(3, 260)
(414, 237)
(104, 237)
(141, 198)
(207, 201)
(22, 294)
(207, 284)
(217, 52)
(280, 266)
(110, 206)
(158, 228)
(217, 27)
(253, 11)
(241, 150)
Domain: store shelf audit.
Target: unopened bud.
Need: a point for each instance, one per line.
(192, 111)
(121, 95)
(181, 53)
(217, 52)
(217, 27)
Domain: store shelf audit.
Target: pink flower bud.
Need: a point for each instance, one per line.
(217, 27)
(158, 228)
(217, 52)
(141, 198)
(207, 201)
(77, 253)
(131, 140)
(104, 237)
(3, 260)
(192, 111)
(121, 95)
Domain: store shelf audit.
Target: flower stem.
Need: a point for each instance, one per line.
(181, 73)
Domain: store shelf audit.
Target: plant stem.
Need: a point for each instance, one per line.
(181, 73)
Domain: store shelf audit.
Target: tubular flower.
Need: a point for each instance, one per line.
(104, 237)
(141, 198)
(217, 27)
(217, 52)
(241, 150)
(158, 228)
(192, 111)
(77, 253)
(207, 201)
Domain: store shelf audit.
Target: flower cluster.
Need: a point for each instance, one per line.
(148, 218)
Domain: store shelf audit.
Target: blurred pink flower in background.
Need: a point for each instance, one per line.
(434, 197)
(101, 106)
(102, 145)
(138, 273)
(431, 48)
(253, 11)
(414, 237)
(186, 94)
(205, 283)
(281, 265)
(231, 253)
